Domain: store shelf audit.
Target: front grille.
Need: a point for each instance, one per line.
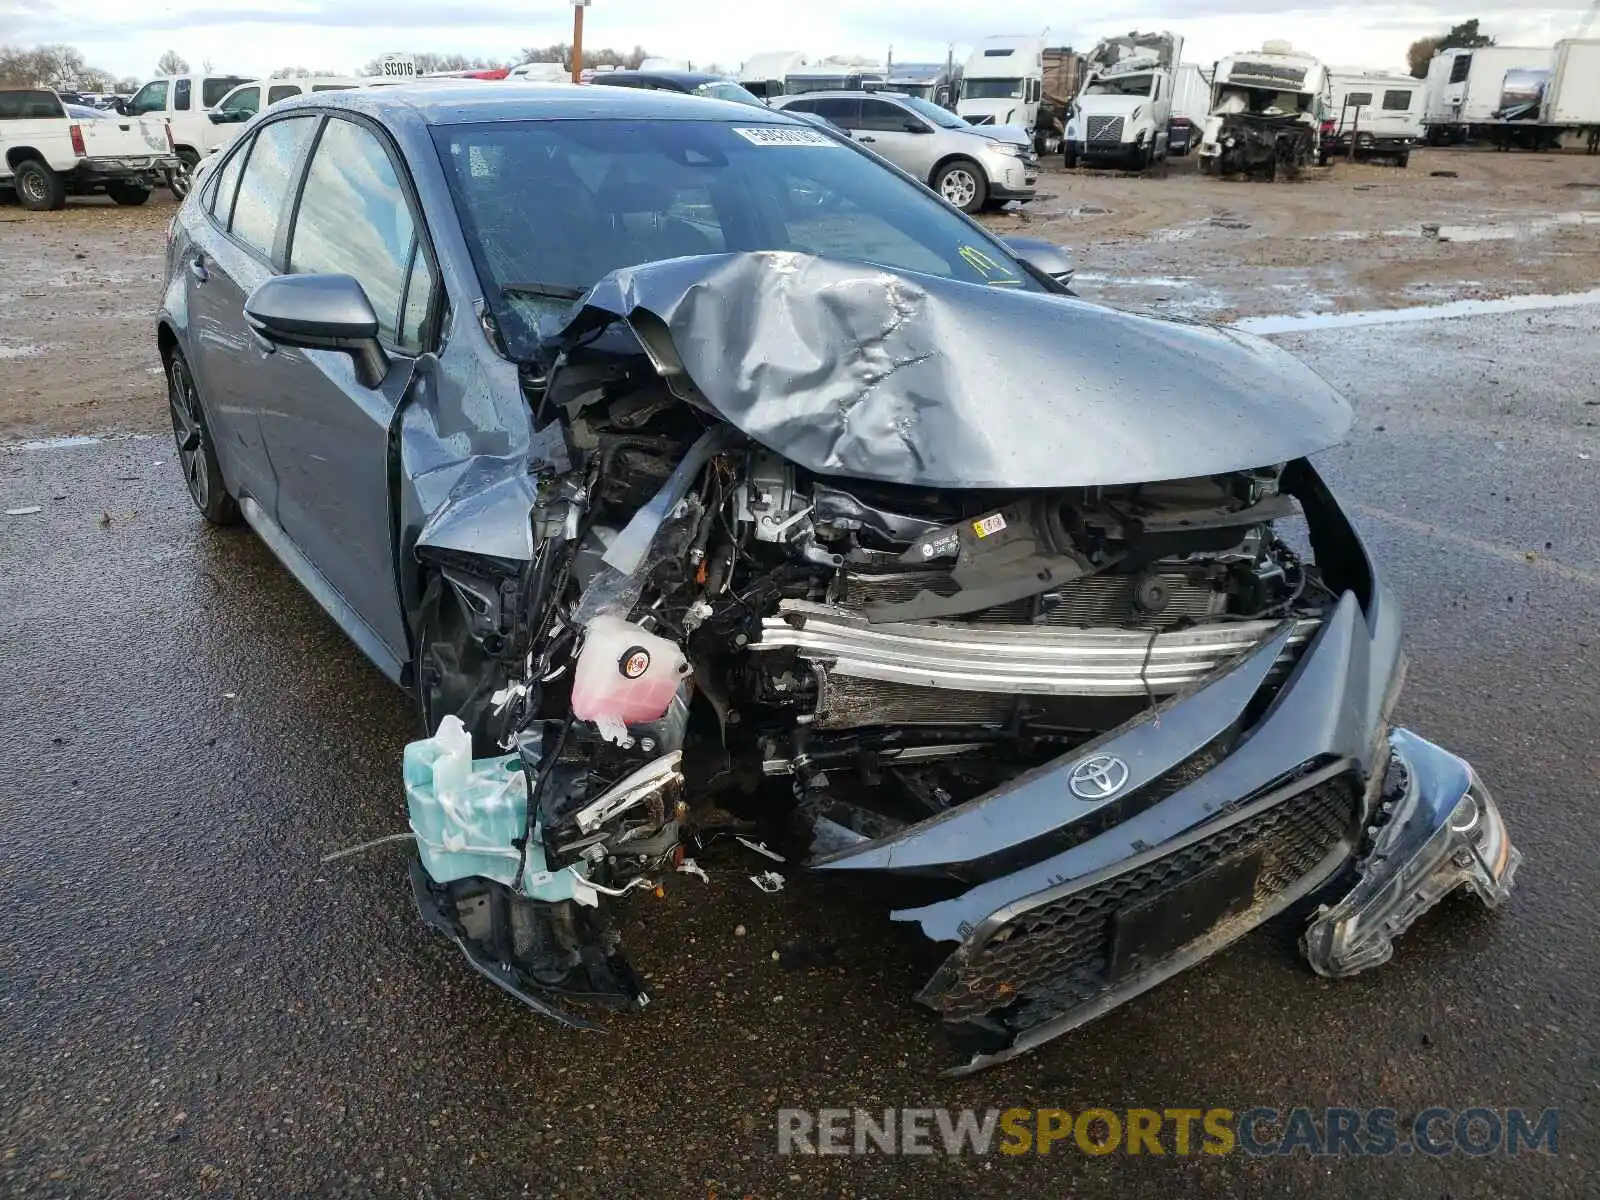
(1057, 957)
(1105, 129)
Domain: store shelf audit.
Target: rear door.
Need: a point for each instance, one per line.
(246, 202)
(326, 433)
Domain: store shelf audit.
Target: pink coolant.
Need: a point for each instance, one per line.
(625, 673)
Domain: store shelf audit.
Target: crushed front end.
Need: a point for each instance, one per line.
(1088, 722)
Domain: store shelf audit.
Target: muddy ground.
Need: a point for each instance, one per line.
(78, 288)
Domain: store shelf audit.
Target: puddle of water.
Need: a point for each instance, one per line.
(1311, 322)
(1175, 281)
(1509, 232)
(72, 440)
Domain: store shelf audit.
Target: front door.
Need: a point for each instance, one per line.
(327, 434)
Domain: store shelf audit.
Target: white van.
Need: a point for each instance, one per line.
(184, 101)
(246, 100)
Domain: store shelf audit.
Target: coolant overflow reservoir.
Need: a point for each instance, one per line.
(625, 674)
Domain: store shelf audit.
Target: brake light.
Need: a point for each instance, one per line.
(1327, 127)
(77, 142)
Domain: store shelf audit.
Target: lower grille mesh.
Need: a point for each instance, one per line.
(1054, 958)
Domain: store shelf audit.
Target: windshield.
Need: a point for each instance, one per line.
(726, 89)
(942, 117)
(1121, 85)
(551, 207)
(991, 89)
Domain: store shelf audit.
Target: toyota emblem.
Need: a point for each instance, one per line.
(1098, 778)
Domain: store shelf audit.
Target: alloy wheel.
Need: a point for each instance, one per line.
(958, 187)
(188, 431)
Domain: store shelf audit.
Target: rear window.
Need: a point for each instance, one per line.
(218, 86)
(1397, 101)
(30, 106)
(264, 185)
(282, 91)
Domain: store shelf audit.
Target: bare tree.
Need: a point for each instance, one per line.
(298, 73)
(172, 63)
(561, 52)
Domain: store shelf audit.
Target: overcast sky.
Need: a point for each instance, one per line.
(256, 36)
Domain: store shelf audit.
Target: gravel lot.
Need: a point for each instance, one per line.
(192, 1002)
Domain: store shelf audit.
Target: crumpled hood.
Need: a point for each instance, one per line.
(856, 371)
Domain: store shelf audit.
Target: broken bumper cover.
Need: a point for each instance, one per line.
(1443, 831)
(1208, 835)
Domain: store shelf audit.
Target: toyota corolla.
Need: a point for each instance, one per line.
(689, 465)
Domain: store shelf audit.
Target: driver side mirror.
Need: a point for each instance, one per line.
(319, 312)
(228, 116)
(916, 127)
(1047, 258)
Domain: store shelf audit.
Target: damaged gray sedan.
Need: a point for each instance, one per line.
(685, 461)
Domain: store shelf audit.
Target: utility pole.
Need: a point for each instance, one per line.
(577, 39)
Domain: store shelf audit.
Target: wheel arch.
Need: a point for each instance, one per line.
(17, 155)
(956, 157)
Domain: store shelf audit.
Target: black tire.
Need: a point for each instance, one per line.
(1403, 160)
(1070, 158)
(196, 456)
(125, 191)
(179, 181)
(39, 189)
(962, 183)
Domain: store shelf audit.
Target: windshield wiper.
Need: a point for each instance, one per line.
(553, 290)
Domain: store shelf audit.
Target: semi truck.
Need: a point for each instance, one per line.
(1267, 109)
(1003, 82)
(1121, 111)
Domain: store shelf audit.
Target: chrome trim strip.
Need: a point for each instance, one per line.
(1024, 660)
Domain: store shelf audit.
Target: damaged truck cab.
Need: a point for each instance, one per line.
(1267, 109)
(733, 477)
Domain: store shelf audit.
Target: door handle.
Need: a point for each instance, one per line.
(197, 268)
(866, 139)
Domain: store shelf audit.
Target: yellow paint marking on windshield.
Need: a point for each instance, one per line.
(986, 266)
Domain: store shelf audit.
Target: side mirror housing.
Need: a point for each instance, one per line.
(916, 127)
(1047, 258)
(320, 312)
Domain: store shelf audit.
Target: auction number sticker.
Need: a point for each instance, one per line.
(988, 526)
(774, 135)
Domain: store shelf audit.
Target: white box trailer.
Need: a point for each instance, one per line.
(1572, 97)
(1381, 113)
(1467, 88)
(1191, 105)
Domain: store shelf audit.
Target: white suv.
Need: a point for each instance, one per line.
(183, 101)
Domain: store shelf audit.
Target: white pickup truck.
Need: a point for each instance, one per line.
(47, 155)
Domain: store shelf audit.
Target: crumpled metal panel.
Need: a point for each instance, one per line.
(856, 371)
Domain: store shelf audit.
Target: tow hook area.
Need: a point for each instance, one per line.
(1443, 831)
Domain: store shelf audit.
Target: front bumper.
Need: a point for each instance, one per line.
(1238, 797)
(1441, 830)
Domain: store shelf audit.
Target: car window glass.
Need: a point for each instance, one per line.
(353, 220)
(27, 106)
(1461, 68)
(844, 113)
(883, 117)
(265, 182)
(414, 309)
(245, 100)
(1357, 99)
(180, 95)
(805, 106)
(1397, 101)
(282, 91)
(222, 191)
(215, 88)
(331, 87)
(152, 97)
